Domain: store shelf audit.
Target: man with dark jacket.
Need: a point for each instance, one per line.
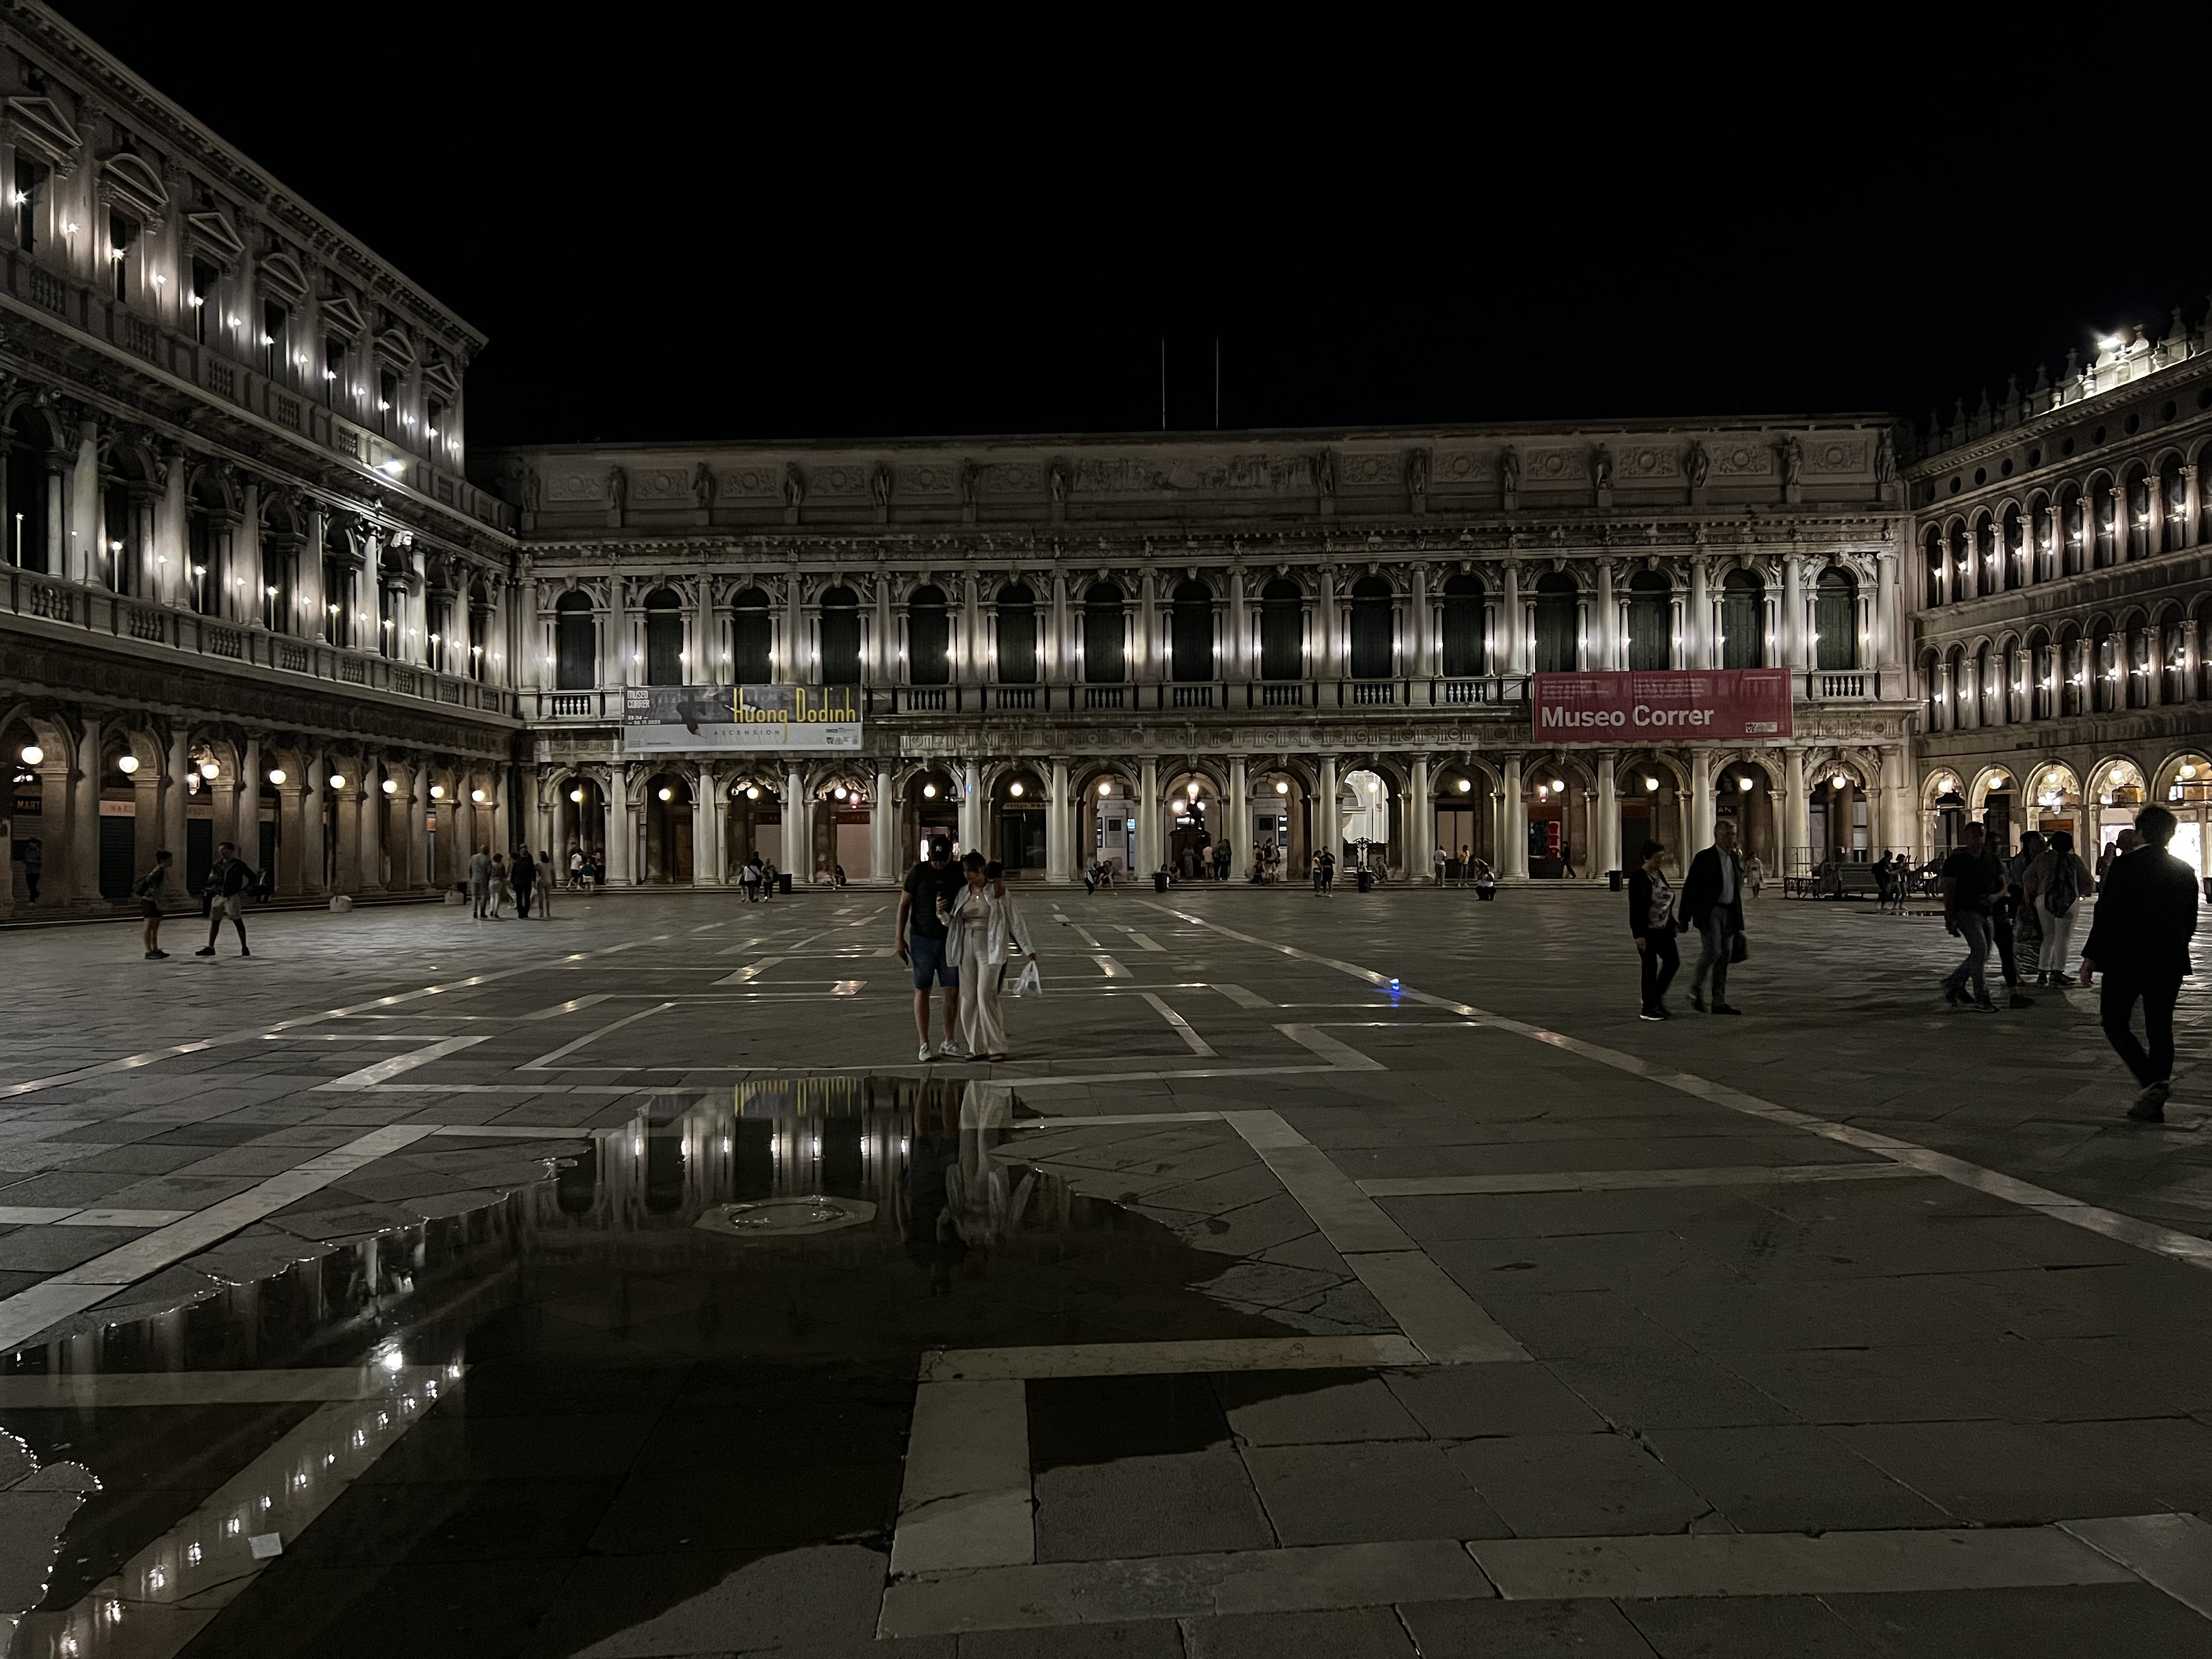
(2146, 915)
(1713, 903)
(226, 882)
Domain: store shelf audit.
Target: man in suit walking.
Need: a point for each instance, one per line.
(2146, 915)
(1712, 902)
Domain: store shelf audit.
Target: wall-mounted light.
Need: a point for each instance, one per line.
(33, 754)
(437, 792)
(127, 764)
(1282, 787)
(277, 775)
(1466, 785)
(477, 796)
(1013, 789)
(1744, 784)
(753, 792)
(577, 796)
(210, 769)
(667, 794)
(1651, 785)
(929, 791)
(338, 779)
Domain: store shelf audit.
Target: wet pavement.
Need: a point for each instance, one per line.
(1322, 1279)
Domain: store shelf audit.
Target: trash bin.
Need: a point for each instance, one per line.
(783, 882)
(1613, 879)
(1366, 881)
(1159, 881)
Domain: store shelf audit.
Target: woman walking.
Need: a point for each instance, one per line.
(1652, 921)
(2055, 885)
(152, 889)
(984, 931)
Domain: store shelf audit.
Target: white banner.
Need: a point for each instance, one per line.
(660, 720)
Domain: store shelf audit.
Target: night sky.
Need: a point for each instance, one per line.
(743, 232)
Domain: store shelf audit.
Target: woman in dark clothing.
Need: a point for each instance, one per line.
(1652, 921)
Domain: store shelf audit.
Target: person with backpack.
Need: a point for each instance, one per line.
(2140, 939)
(2056, 883)
(151, 890)
(2028, 925)
(228, 878)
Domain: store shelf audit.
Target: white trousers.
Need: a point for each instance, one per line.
(983, 1031)
(2055, 955)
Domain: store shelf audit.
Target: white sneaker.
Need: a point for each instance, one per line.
(951, 1051)
(924, 1056)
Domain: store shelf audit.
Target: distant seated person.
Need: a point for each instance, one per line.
(837, 874)
(823, 878)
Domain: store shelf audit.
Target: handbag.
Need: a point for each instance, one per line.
(1739, 947)
(1028, 982)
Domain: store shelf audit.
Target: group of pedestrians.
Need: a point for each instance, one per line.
(1710, 905)
(959, 930)
(495, 883)
(756, 876)
(223, 892)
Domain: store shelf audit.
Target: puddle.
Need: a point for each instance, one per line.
(533, 1427)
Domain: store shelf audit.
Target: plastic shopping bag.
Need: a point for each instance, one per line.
(1027, 983)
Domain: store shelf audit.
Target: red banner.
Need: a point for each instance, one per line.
(1726, 705)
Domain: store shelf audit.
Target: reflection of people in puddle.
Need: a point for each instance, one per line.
(934, 1240)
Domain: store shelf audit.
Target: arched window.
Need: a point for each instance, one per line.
(1282, 631)
(575, 640)
(752, 629)
(27, 496)
(1743, 620)
(1101, 634)
(928, 662)
(1558, 621)
(1836, 619)
(1190, 638)
(841, 637)
(664, 637)
(1651, 621)
(1463, 654)
(1018, 634)
(1371, 628)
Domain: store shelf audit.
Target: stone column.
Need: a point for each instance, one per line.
(1895, 824)
(2190, 649)
(622, 828)
(1058, 851)
(1698, 641)
(1148, 818)
(314, 876)
(417, 873)
(706, 838)
(971, 810)
(1420, 823)
(346, 877)
(1513, 825)
(246, 815)
(1328, 833)
(1237, 829)
(1796, 813)
(81, 873)
(1324, 665)
(177, 759)
(1236, 661)
(291, 837)
(1516, 635)
(2153, 681)
(1608, 619)
(797, 840)
(373, 799)
(1793, 614)
(883, 829)
(1605, 841)
(2192, 506)
(1701, 803)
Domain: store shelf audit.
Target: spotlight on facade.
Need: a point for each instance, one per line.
(1013, 789)
(477, 796)
(1744, 784)
(577, 796)
(1841, 781)
(1282, 787)
(437, 792)
(1651, 786)
(127, 765)
(338, 779)
(667, 794)
(1105, 789)
(929, 791)
(210, 769)
(389, 787)
(1466, 785)
(277, 775)
(753, 792)
(838, 794)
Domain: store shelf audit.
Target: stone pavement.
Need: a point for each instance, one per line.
(1322, 1277)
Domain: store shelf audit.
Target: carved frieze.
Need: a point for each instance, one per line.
(1741, 458)
(1635, 463)
(1830, 456)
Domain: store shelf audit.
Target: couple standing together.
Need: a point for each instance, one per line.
(1711, 902)
(955, 921)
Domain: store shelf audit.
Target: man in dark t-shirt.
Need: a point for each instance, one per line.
(1970, 883)
(919, 936)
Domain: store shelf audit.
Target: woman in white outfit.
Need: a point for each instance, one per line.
(984, 931)
(2056, 883)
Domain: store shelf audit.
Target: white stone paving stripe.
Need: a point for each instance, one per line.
(750, 972)
(1341, 1055)
(574, 1004)
(1792, 1564)
(545, 1060)
(1233, 1354)
(1198, 1044)
(384, 1070)
(1243, 998)
(2176, 1246)
(85, 1390)
(2173, 1552)
(1623, 1180)
(1112, 969)
(965, 1502)
(1183, 1587)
